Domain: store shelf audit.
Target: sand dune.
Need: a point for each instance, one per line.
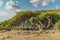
(29, 35)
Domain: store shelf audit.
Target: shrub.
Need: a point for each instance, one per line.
(5, 28)
(57, 25)
(18, 28)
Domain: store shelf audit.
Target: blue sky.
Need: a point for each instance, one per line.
(8, 8)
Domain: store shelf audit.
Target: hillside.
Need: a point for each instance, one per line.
(32, 20)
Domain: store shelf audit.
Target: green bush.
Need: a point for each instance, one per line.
(18, 28)
(5, 28)
(34, 17)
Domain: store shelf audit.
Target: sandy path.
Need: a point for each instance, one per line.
(29, 35)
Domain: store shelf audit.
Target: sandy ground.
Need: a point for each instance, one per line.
(29, 35)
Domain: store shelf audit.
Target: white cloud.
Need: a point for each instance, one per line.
(11, 5)
(42, 2)
(53, 1)
(10, 10)
(5, 15)
(17, 1)
(35, 2)
(1, 2)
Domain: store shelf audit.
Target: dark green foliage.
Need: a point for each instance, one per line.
(31, 19)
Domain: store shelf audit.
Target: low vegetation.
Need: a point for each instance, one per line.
(45, 19)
